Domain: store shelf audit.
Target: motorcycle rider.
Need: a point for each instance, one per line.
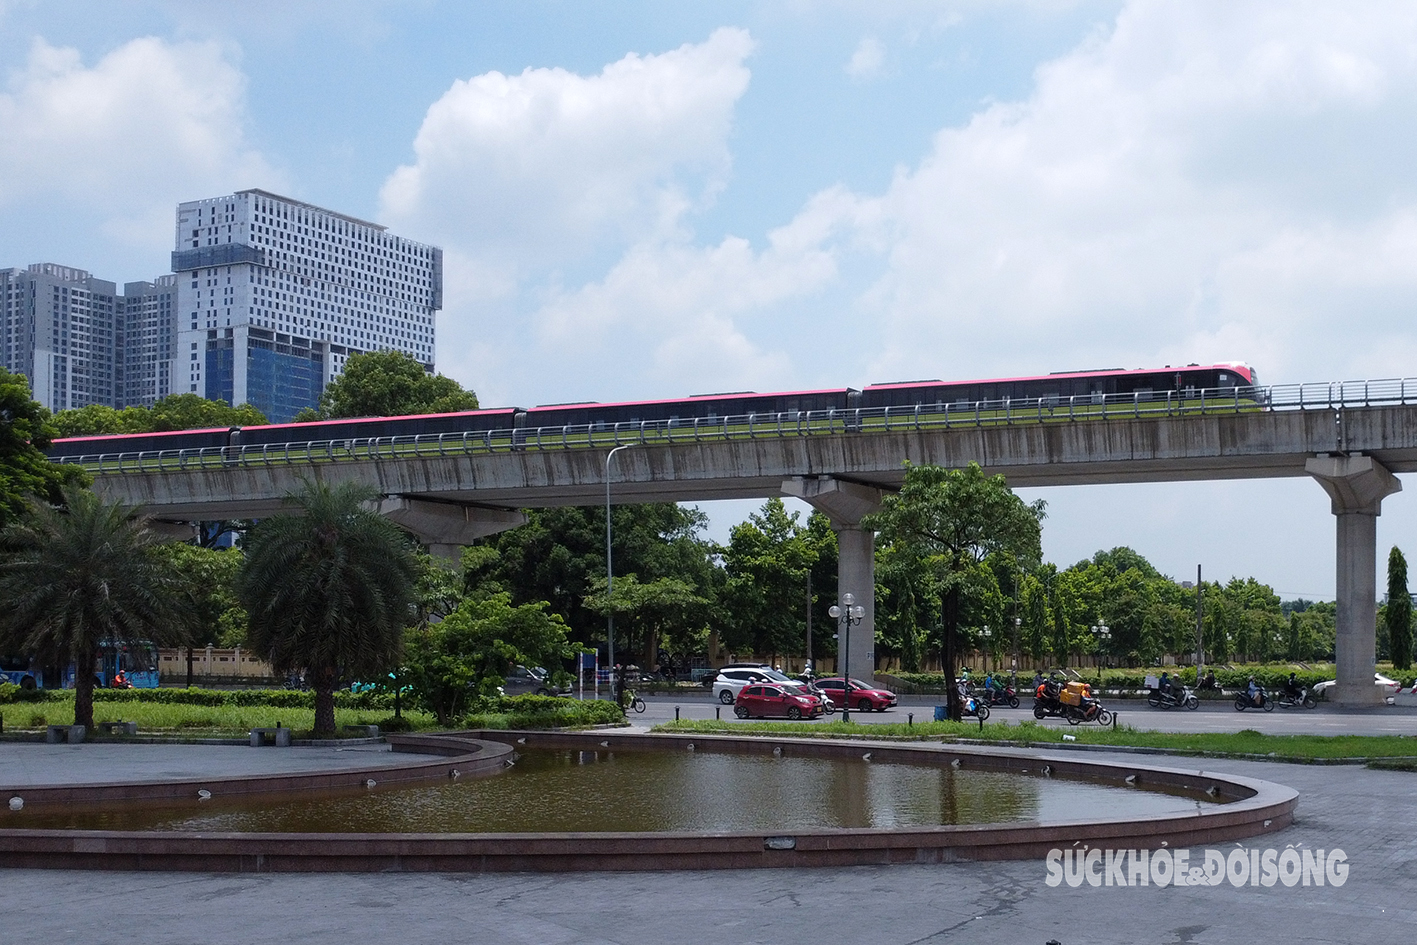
(1164, 688)
(1254, 692)
(991, 688)
(1292, 689)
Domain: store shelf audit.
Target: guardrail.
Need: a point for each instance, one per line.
(937, 416)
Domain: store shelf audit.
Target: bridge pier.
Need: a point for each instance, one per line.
(1356, 485)
(846, 503)
(446, 527)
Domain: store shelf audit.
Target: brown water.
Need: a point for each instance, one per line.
(654, 791)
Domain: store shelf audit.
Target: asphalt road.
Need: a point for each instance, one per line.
(1210, 717)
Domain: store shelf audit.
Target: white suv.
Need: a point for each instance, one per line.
(731, 680)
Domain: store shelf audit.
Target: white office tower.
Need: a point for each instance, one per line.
(79, 342)
(275, 294)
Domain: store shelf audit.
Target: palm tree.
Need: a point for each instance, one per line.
(77, 577)
(329, 590)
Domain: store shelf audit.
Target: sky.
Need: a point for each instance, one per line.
(647, 200)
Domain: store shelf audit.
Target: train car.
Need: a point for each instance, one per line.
(1058, 388)
(71, 448)
(697, 407)
(466, 421)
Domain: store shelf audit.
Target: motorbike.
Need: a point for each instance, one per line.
(1303, 699)
(827, 704)
(1243, 702)
(1001, 695)
(1050, 703)
(1168, 699)
(971, 705)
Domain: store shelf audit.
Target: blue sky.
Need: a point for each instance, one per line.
(652, 199)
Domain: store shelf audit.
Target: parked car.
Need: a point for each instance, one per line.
(762, 700)
(523, 680)
(731, 680)
(861, 696)
(1389, 687)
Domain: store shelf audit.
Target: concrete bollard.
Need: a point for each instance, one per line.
(716, 712)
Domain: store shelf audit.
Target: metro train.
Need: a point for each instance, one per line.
(1183, 382)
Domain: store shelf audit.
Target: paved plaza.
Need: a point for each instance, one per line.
(1369, 814)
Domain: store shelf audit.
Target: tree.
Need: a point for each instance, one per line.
(25, 432)
(329, 590)
(767, 562)
(650, 612)
(950, 520)
(470, 651)
(559, 555)
(216, 617)
(1398, 610)
(173, 412)
(388, 384)
(78, 577)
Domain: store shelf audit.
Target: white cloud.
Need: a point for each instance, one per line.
(1204, 181)
(536, 169)
(868, 59)
(124, 140)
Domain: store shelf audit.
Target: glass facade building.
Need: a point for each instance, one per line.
(273, 295)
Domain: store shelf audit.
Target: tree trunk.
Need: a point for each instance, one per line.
(324, 686)
(189, 667)
(83, 689)
(955, 708)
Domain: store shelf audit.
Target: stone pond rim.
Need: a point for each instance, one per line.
(1254, 807)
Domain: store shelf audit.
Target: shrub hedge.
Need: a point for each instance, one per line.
(275, 698)
(541, 712)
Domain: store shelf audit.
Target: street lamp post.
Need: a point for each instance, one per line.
(852, 613)
(618, 684)
(1103, 634)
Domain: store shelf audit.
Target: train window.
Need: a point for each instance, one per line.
(1143, 393)
(1225, 380)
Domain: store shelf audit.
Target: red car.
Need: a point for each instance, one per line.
(863, 697)
(766, 700)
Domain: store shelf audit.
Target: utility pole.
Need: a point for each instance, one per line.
(810, 668)
(1200, 633)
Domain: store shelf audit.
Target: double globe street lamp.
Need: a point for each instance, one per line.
(852, 613)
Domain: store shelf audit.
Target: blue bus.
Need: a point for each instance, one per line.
(137, 661)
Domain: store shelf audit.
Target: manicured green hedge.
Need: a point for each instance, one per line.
(275, 698)
(541, 712)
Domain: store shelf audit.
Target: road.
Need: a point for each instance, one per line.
(1210, 717)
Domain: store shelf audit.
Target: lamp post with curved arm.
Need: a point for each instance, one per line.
(852, 613)
(617, 685)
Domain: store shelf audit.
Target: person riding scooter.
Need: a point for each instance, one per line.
(1255, 693)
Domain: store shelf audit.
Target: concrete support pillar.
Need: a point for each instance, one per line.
(1356, 485)
(846, 503)
(445, 527)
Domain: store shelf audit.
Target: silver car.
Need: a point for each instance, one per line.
(522, 680)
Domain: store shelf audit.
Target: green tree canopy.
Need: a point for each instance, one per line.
(767, 561)
(1398, 612)
(329, 591)
(652, 614)
(216, 617)
(25, 432)
(75, 578)
(388, 384)
(949, 521)
(559, 555)
(470, 651)
(173, 412)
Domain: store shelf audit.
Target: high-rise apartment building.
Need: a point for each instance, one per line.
(59, 332)
(145, 341)
(79, 342)
(273, 295)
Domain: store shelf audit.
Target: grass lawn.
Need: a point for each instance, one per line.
(194, 720)
(1245, 744)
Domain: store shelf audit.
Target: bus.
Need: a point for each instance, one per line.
(138, 661)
